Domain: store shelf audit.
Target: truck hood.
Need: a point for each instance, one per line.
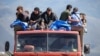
(47, 54)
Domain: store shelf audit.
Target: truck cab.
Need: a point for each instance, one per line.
(48, 43)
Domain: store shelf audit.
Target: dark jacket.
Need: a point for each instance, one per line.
(22, 17)
(47, 17)
(35, 17)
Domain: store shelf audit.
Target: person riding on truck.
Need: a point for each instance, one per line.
(48, 17)
(21, 23)
(84, 21)
(77, 24)
(66, 16)
(22, 15)
(35, 18)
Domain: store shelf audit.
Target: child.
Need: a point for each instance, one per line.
(83, 18)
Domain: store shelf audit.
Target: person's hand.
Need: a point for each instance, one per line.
(42, 27)
(32, 21)
(69, 22)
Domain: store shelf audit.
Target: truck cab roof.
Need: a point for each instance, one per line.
(46, 31)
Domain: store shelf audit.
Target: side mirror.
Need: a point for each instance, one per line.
(86, 48)
(7, 45)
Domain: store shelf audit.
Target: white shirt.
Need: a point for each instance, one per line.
(76, 17)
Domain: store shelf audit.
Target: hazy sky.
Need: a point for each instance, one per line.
(90, 7)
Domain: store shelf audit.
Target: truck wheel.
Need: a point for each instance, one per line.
(7, 45)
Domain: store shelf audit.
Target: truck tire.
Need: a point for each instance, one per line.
(7, 46)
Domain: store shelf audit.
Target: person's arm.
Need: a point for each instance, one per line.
(38, 19)
(73, 20)
(27, 19)
(42, 24)
(84, 23)
(50, 22)
(54, 18)
(32, 18)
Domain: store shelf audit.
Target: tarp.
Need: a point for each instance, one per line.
(59, 24)
(24, 25)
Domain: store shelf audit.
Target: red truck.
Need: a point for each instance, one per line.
(48, 43)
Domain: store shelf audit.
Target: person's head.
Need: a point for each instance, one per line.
(75, 9)
(29, 48)
(19, 9)
(49, 10)
(82, 15)
(26, 13)
(69, 7)
(36, 10)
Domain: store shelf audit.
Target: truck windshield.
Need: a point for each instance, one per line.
(42, 42)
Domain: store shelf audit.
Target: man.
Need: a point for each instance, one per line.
(66, 15)
(19, 13)
(22, 15)
(21, 23)
(48, 17)
(35, 18)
